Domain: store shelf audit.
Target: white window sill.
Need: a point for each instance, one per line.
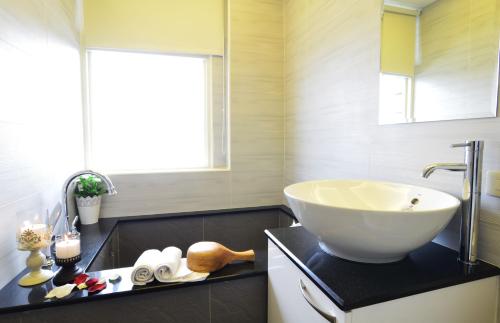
(169, 171)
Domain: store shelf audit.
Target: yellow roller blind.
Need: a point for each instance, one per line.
(398, 43)
(177, 26)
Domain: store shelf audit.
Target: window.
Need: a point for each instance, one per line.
(150, 112)
(396, 99)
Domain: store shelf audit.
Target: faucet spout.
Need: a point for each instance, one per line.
(471, 196)
(454, 167)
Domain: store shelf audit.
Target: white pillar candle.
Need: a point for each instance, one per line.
(67, 248)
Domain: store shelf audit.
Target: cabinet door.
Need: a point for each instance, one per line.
(473, 302)
(288, 301)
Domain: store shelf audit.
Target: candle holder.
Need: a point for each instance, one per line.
(69, 270)
(34, 237)
(67, 255)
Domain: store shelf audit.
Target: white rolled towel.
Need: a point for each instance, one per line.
(145, 266)
(169, 265)
(184, 274)
(174, 269)
(166, 266)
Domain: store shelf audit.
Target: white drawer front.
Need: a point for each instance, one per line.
(286, 301)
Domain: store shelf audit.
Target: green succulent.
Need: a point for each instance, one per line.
(89, 186)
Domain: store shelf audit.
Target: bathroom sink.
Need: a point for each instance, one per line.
(370, 221)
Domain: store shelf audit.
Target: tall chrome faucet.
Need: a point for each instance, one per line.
(109, 185)
(472, 168)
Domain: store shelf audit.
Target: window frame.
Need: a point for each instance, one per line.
(221, 153)
(409, 97)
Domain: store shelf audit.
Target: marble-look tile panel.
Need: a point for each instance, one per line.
(239, 301)
(241, 231)
(137, 236)
(40, 87)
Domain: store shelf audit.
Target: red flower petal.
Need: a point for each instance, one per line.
(82, 278)
(91, 282)
(97, 288)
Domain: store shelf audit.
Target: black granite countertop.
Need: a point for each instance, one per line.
(14, 298)
(92, 238)
(352, 285)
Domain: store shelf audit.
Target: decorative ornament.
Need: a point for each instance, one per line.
(97, 288)
(61, 291)
(93, 284)
(80, 279)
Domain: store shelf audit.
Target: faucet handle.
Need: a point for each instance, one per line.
(476, 145)
(461, 145)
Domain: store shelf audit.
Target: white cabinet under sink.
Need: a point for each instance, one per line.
(285, 300)
(473, 302)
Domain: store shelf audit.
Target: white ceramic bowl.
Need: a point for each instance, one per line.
(370, 221)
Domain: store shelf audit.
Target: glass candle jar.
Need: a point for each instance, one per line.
(33, 236)
(68, 245)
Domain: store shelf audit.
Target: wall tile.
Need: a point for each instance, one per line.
(238, 301)
(188, 304)
(136, 236)
(331, 113)
(108, 256)
(285, 220)
(40, 82)
(142, 194)
(241, 231)
(256, 125)
(238, 231)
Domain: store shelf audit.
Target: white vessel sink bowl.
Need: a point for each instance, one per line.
(370, 221)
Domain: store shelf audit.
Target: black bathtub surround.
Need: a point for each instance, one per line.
(352, 285)
(113, 245)
(238, 292)
(238, 300)
(236, 230)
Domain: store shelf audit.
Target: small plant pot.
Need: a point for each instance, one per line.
(88, 209)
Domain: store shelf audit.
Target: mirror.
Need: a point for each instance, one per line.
(439, 60)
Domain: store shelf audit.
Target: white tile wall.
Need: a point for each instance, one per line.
(256, 129)
(331, 95)
(459, 55)
(40, 113)
(40, 120)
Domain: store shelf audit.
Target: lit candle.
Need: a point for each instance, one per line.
(69, 247)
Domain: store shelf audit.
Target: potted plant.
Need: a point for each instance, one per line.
(88, 191)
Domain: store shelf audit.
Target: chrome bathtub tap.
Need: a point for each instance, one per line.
(109, 185)
(472, 168)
